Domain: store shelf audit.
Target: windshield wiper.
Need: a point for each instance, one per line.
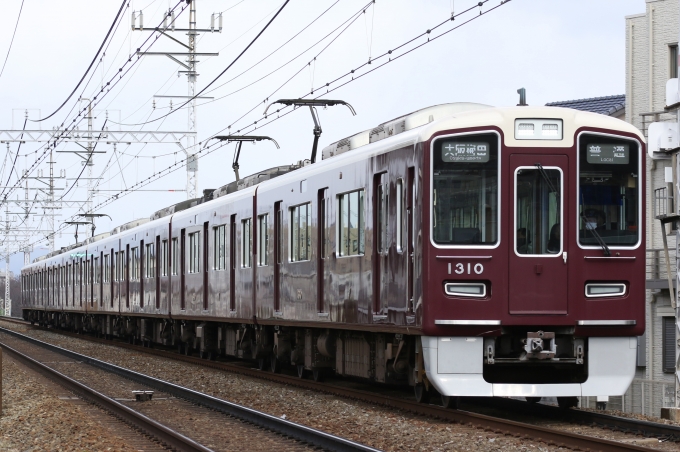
(593, 231)
(605, 248)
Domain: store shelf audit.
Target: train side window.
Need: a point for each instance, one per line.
(219, 239)
(86, 272)
(194, 252)
(119, 266)
(351, 230)
(164, 258)
(106, 268)
(96, 270)
(246, 243)
(175, 256)
(400, 215)
(134, 264)
(149, 261)
(383, 203)
(300, 225)
(263, 240)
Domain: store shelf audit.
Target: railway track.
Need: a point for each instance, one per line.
(290, 433)
(489, 423)
(633, 426)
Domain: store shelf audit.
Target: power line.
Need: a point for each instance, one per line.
(390, 58)
(212, 148)
(12, 41)
(92, 102)
(254, 65)
(225, 69)
(106, 38)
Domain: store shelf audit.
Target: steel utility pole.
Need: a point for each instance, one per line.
(90, 157)
(190, 72)
(8, 301)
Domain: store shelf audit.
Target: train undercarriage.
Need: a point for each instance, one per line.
(521, 362)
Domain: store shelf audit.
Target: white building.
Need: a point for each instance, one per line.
(651, 60)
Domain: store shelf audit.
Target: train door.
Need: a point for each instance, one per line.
(278, 254)
(321, 251)
(538, 258)
(380, 245)
(410, 198)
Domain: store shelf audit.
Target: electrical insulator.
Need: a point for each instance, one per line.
(212, 22)
(220, 22)
(141, 20)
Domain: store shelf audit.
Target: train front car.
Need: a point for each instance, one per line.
(533, 254)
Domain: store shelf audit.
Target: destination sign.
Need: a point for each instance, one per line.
(608, 154)
(458, 152)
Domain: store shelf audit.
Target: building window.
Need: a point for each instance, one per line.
(300, 224)
(673, 61)
(246, 243)
(164, 258)
(220, 258)
(262, 239)
(351, 230)
(149, 262)
(175, 256)
(194, 251)
(668, 349)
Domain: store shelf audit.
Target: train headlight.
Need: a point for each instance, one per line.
(538, 129)
(474, 290)
(597, 290)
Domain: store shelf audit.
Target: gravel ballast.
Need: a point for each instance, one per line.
(376, 426)
(34, 418)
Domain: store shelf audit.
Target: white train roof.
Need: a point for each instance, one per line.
(402, 131)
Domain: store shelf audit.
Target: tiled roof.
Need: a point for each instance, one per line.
(607, 105)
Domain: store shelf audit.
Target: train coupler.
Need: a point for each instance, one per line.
(540, 345)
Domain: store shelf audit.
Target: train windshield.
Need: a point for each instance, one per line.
(609, 191)
(465, 190)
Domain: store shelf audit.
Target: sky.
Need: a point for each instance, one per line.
(557, 50)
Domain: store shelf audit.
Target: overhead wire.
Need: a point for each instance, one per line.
(240, 74)
(351, 73)
(106, 38)
(352, 18)
(75, 122)
(213, 147)
(21, 8)
(228, 67)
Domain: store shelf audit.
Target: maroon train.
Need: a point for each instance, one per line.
(478, 251)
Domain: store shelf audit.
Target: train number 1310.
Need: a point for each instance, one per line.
(469, 268)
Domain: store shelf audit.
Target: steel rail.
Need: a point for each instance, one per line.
(300, 432)
(162, 433)
(610, 421)
(498, 425)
